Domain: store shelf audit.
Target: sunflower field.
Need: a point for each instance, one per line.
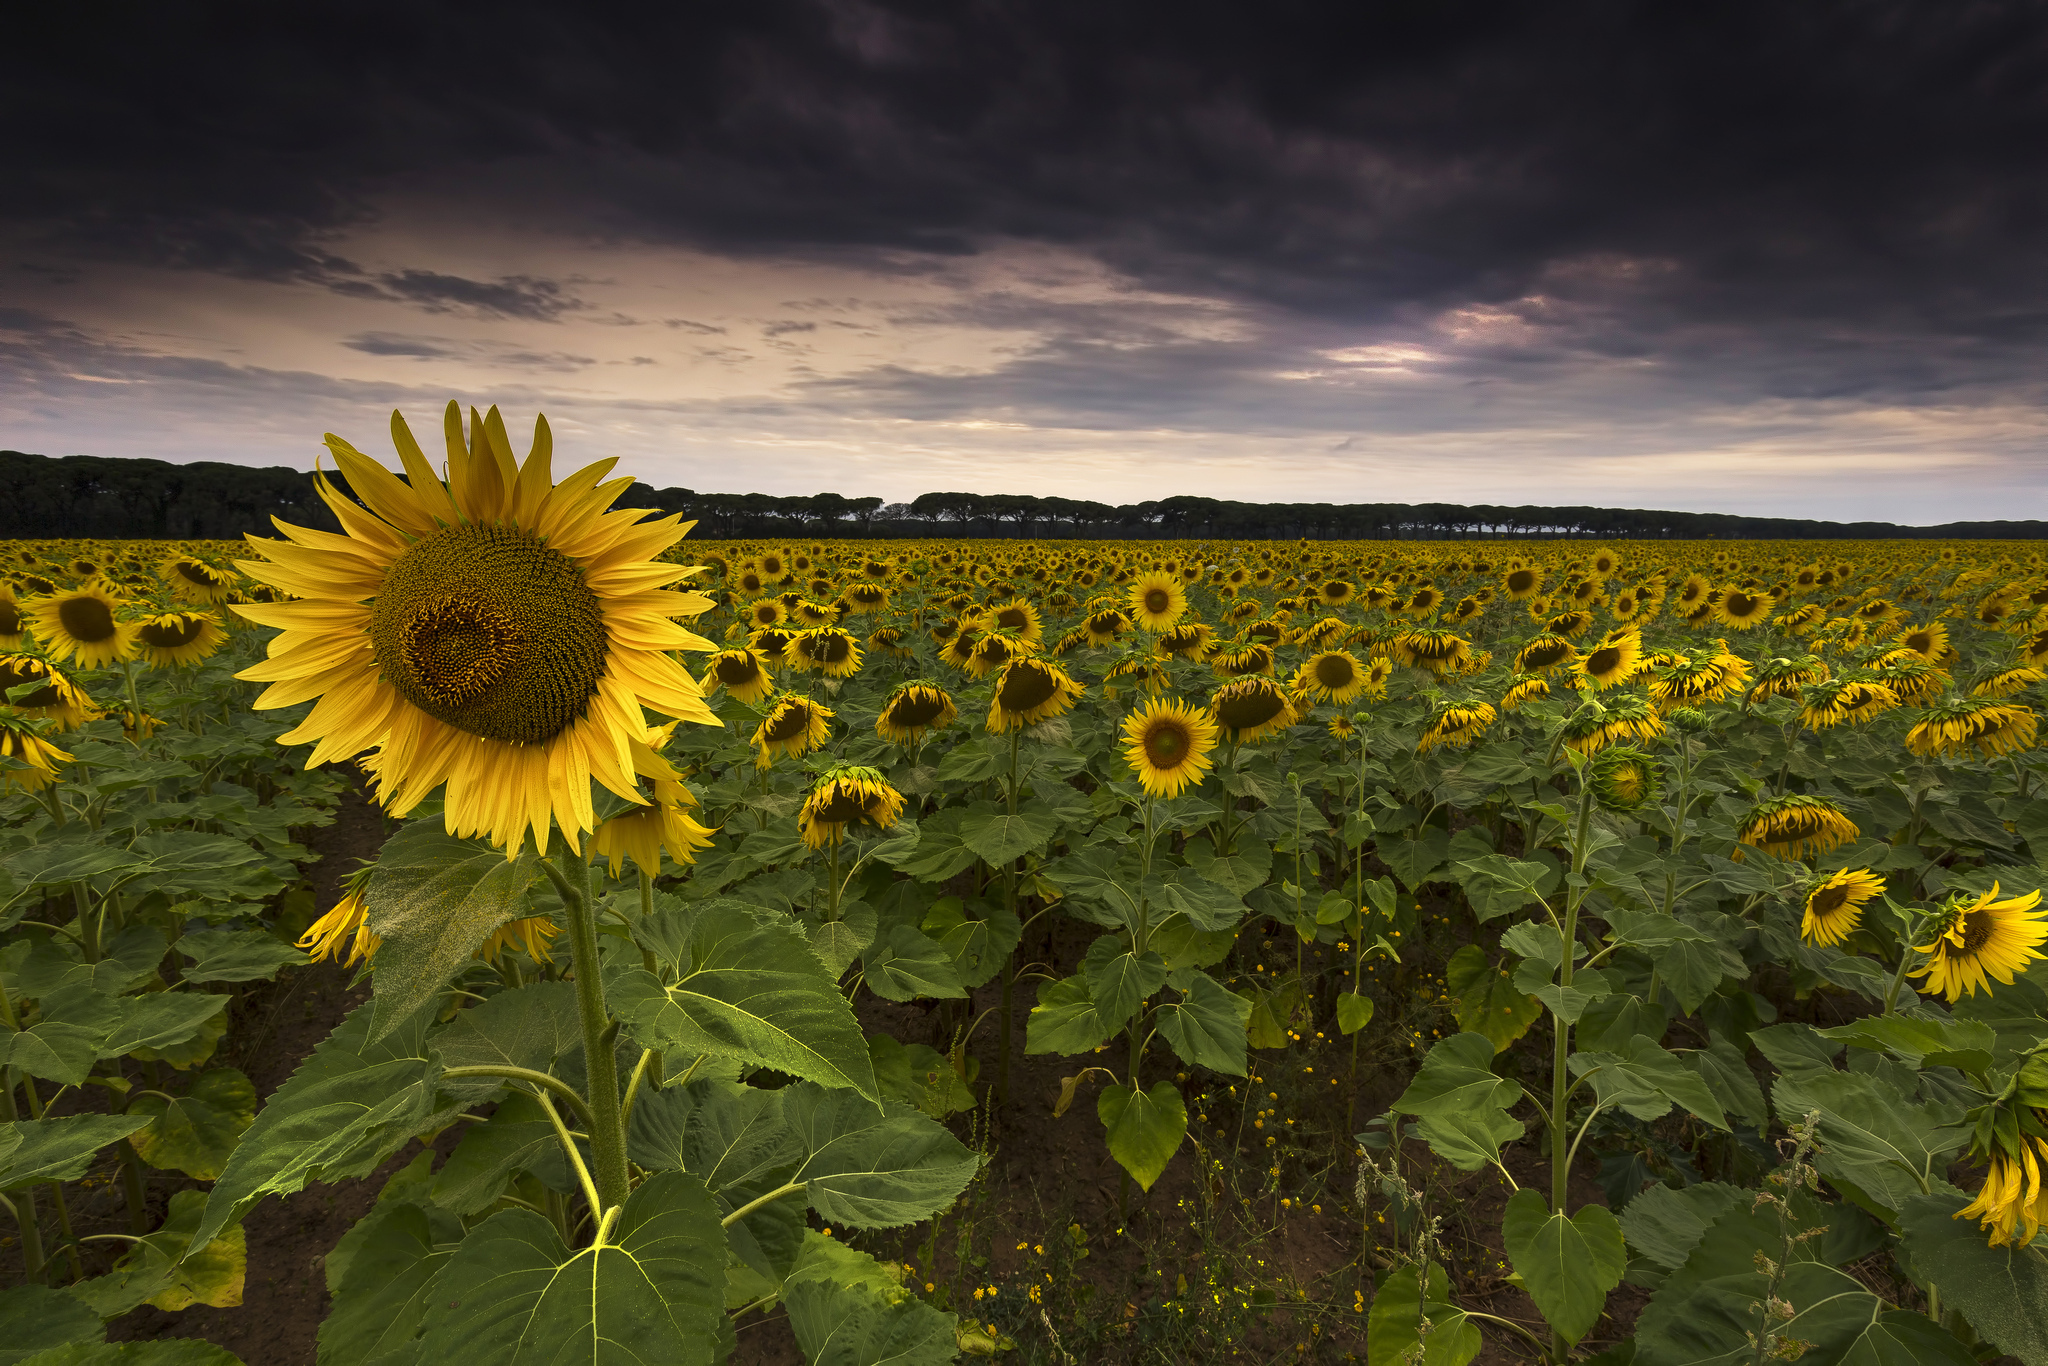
(874, 951)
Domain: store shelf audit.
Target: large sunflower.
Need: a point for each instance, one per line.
(1957, 724)
(82, 626)
(741, 673)
(1980, 939)
(170, 639)
(1522, 582)
(1167, 745)
(1834, 908)
(1252, 708)
(1242, 661)
(1523, 688)
(1795, 827)
(1785, 675)
(1157, 601)
(58, 698)
(494, 633)
(1930, 642)
(913, 709)
(1028, 691)
(1544, 653)
(1432, 648)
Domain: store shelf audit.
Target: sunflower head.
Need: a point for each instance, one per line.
(2008, 681)
(1188, 640)
(1976, 938)
(28, 762)
(1030, 690)
(1330, 676)
(1252, 708)
(913, 710)
(1523, 688)
(1834, 905)
(84, 626)
(847, 795)
(1955, 725)
(830, 650)
(1167, 745)
(1455, 723)
(1612, 660)
(1243, 660)
(741, 673)
(13, 625)
(191, 579)
(1432, 648)
(171, 639)
(52, 695)
(794, 726)
(1157, 600)
(1545, 653)
(1795, 826)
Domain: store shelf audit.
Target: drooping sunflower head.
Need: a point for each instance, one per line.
(28, 762)
(1252, 708)
(2013, 1204)
(794, 726)
(1613, 659)
(847, 795)
(1243, 661)
(959, 648)
(868, 597)
(191, 579)
(1955, 725)
(888, 640)
(1432, 648)
(742, 673)
(1029, 690)
(1188, 640)
(1456, 724)
(1978, 938)
(1785, 675)
(1570, 625)
(914, 710)
(830, 650)
(83, 625)
(490, 632)
(13, 625)
(1796, 826)
(1545, 653)
(1167, 745)
(1834, 905)
(54, 696)
(1145, 672)
(2008, 682)
(1336, 592)
(1157, 600)
(170, 639)
(1523, 688)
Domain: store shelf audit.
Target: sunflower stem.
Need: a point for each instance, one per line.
(1010, 963)
(600, 1032)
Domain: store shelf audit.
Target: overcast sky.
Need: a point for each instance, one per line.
(1776, 258)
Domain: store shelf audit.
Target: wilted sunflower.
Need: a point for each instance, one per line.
(1623, 778)
(1697, 676)
(1594, 725)
(346, 926)
(644, 833)
(2008, 681)
(1785, 675)
(1523, 688)
(1189, 640)
(57, 699)
(1978, 939)
(995, 650)
(1332, 676)
(867, 597)
(913, 709)
(1834, 908)
(1801, 621)
(1157, 601)
(771, 644)
(1795, 827)
(1104, 626)
(2013, 1204)
(497, 634)
(1146, 673)
(82, 626)
(888, 640)
(530, 933)
(1271, 631)
(1028, 691)
(845, 796)
(1843, 699)
(1571, 625)
(1613, 659)
(1432, 648)
(13, 625)
(811, 615)
(170, 639)
(1250, 709)
(2034, 649)
(1455, 723)
(194, 580)
(741, 673)
(958, 650)
(830, 650)
(1243, 661)
(38, 758)
(1956, 725)
(1167, 745)
(1544, 653)
(794, 726)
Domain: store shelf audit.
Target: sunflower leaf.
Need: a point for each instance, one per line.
(236, 955)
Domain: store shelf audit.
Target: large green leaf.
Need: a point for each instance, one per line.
(194, 1133)
(1400, 1312)
(1001, 839)
(385, 1294)
(904, 963)
(237, 955)
(165, 1022)
(169, 1270)
(1064, 1021)
(349, 1106)
(2002, 1291)
(1119, 980)
(433, 901)
(1460, 1103)
(1665, 1223)
(1207, 904)
(918, 1074)
(1488, 1002)
(1921, 1041)
(847, 1309)
(1247, 867)
(64, 1044)
(874, 1168)
(517, 1137)
(514, 1293)
(1415, 859)
(736, 1140)
(939, 852)
(36, 1150)
(1566, 1264)
(533, 1028)
(35, 1318)
(979, 943)
(751, 990)
(1206, 1027)
(1497, 885)
(1871, 1135)
(1646, 1080)
(1145, 1127)
(162, 1352)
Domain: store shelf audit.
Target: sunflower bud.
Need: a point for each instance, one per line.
(1623, 778)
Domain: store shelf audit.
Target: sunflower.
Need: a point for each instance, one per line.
(1243, 661)
(530, 933)
(496, 634)
(1332, 676)
(346, 925)
(1693, 592)
(1930, 642)
(1544, 653)
(174, 638)
(1336, 592)
(764, 613)
(959, 648)
(58, 699)
(643, 833)
(995, 650)
(1978, 939)
(1157, 601)
(1432, 648)
(742, 673)
(2013, 1204)
(1030, 690)
(1148, 674)
(1104, 626)
(830, 650)
(1341, 728)
(1595, 725)
(888, 640)
(1272, 631)
(1455, 723)
(1571, 625)
(1697, 676)
(1785, 676)
(794, 726)
(1834, 907)
(1834, 701)
(842, 797)
(1740, 609)
(1523, 688)
(1957, 724)
(867, 597)
(1019, 618)
(1795, 827)
(13, 626)
(81, 626)
(31, 760)
(1613, 660)
(2006, 682)
(1623, 778)
(1522, 582)
(1167, 745)
(1249, 709)
(1801, 621)
(194, 580)
(912, 710)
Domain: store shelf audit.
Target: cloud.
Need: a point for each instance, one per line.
(473, 351)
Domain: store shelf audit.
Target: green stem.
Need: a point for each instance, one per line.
(600, 1032)
(568, 1141)
(770, 1198)
(561, 1089)
(1560, 1150)
(23, 1207)
(1009, 964)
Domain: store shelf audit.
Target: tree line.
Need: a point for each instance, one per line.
(90, 496)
